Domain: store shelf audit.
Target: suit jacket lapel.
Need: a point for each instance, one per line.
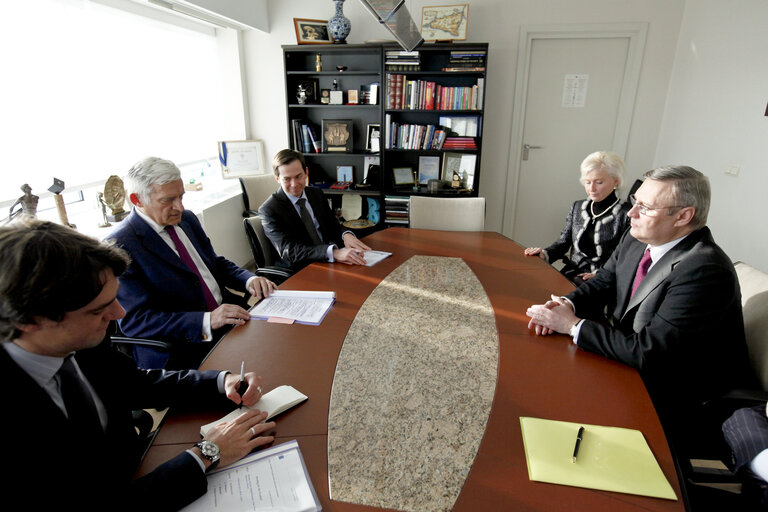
(152, 242)
(291, 213)
(185, 226)
(659, 272)
(13, 375)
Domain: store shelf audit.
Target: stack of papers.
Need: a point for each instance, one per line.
(373, 257)
(303, 307)
(269, 480)
(610, 458)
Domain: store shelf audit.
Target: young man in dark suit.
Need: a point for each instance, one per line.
(68, 395)
(176, 288)
(672, 299)
(299, 222)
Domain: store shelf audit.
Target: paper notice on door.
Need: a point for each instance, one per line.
(575, 91)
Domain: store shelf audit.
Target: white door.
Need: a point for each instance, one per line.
(575, 94)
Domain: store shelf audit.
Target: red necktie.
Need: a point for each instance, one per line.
(210, 300)
(642, 270)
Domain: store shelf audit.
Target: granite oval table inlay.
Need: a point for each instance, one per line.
(413, 388)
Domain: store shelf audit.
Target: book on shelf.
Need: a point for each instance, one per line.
(397, 60)
(414, 136)
(404, 94)
(304, 137)
(460, 143)
(466, 61)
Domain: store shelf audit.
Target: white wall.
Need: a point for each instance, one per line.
(497, 22)
(715, 118)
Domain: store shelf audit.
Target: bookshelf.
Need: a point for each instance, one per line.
(426, 106)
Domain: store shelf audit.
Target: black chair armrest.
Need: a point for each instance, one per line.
(141, 341)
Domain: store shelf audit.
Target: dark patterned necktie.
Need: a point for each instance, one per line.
(81, 409)
(210, 300)
(642, 270)
(308, 224)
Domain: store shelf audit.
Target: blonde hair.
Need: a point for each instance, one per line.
(607, 161)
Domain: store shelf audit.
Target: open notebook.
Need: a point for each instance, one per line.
(274, 402)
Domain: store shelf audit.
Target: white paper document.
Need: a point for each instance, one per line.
(274, 402)
(304, 307)
(271, 480)
(373, 257)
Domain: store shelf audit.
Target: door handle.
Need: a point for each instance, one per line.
(526, 147)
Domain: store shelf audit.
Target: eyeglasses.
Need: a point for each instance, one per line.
(650, 211)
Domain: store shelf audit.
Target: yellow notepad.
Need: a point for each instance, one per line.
(610, 458)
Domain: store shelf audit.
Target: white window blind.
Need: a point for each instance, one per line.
(86, 90)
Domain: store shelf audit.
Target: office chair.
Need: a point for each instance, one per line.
(712, 473)
(256, 190)
(448, 213)
(634, 187)
(264, 253)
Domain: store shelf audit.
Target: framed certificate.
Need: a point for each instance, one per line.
(429, 169)
(402, 176)
(241, 158)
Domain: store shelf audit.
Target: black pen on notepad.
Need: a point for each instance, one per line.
(578, 443)
(243, 386)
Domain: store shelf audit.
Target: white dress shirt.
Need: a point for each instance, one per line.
(205, 273)
(657, 253)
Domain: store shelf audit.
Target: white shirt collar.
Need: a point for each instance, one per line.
(658, 252)
(40, 367)
(154, 225)
(294, 199)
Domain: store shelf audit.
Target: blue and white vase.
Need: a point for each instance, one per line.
(339, 26)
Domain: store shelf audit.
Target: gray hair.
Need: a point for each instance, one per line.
(689, 188)
(147, 173)
(607, 161)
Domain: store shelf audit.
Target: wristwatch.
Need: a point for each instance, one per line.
(210, 451)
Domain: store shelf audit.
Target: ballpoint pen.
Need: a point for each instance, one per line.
(578, 442)
(243, 386)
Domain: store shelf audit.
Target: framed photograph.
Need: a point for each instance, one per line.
(337, 97)
(429, 169)
(325, 96)
(344, 173)
(312, 31)
(402, 176)
(451, 165)
(444, 22)
(352, 96)
(373, 138)
(310, 88)
(467, 170)
(337, 135)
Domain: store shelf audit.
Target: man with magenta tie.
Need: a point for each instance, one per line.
(175, 289)
(667, 302)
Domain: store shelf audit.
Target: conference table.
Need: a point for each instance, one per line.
(521, 375)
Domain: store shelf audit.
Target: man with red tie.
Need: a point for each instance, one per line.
(176, 287)
(667, 302)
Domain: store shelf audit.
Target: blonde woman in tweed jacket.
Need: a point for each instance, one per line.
(594, 225)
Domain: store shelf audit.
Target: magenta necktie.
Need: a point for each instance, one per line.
(642, 270)
(210, 301)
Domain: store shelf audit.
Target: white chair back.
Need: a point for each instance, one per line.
(257, 189)
(754, 301)
(448, 213)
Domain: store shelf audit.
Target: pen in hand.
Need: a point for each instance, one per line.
(578, 443)
(243, 386)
